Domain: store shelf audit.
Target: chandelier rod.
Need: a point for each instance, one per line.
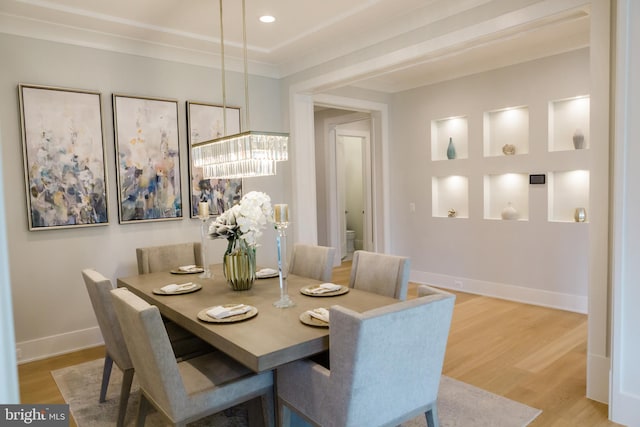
(224, 84)
(246, 67)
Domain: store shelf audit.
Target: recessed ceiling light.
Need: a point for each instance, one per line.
(267, 19)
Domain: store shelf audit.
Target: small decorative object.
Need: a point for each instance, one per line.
(578, 139)
(281, 217)
(451, 213)
(580, 215)
(241, 226)
(451, 150)
(203, 214)
(509, 149)
(509, 212)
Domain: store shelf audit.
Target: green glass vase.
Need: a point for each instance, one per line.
(239, 265)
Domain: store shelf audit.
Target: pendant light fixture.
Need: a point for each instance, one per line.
(246, 154)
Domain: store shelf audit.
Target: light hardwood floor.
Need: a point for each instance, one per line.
(530, 354)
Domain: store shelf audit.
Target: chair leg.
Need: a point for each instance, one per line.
(432, 417)
(268, 408)
(106, 374)
(125, 390)
(284, 415)
(142, 410)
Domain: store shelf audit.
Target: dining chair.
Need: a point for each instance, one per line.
(314, 262)
(424, 290)
(99, 288)
(191, 389)
(152, 259)
(386, 365)
(380, 273)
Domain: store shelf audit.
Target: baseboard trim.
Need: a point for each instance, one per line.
(575, 303)
(598, 374)
(54, 345)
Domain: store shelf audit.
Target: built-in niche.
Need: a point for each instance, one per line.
(454, 129)
(568, 191)
(506, 196)
(450, 196)
(506, 131)
(569, 123)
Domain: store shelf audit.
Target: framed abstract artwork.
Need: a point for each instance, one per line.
(206, 122)
(63, 154)
(147, 158)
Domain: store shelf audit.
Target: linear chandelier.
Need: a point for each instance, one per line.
(246, 154)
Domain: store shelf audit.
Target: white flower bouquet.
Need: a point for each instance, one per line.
(244, 221)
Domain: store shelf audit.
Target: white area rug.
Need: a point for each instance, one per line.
(459, 404)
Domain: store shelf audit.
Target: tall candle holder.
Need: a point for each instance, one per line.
(203, 214)
(281, 227)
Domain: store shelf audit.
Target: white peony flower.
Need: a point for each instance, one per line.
(245, 220)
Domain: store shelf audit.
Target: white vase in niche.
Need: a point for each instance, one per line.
(578, 139)
(509, 212)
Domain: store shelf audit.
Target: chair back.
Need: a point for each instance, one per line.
(164, 258)
(150, 350)
(380, 273)
(99, 288)
(386, 363)
(314, 262)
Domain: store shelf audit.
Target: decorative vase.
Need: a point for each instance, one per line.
(580, 215)
(509, 212)
(451, 150)
(239, 265)
(509, 149)
(578, 139)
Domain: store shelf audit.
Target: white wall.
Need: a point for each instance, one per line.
(535, 260)
(51, 308)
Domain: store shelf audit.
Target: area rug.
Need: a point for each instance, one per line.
(459, 404)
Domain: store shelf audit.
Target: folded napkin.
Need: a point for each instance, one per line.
(173, 288)
(320, 314)
(187, 267)
(266, 272)
(325, 287)
(220, 312)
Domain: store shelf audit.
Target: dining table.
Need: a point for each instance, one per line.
(272, 337)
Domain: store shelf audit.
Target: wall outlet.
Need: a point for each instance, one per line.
(457, 284)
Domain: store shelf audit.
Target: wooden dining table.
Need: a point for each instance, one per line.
(273, 337)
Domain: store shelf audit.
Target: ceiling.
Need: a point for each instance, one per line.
(306, 33)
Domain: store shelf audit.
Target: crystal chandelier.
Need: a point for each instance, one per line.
(245, 154)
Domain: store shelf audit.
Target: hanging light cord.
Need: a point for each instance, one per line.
(246, 68)
(224, 85)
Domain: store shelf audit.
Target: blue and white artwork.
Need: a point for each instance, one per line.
(63, 157)
(148, 158)
(206, 122)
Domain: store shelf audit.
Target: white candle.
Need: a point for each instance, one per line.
(282, 213)
(203, 210)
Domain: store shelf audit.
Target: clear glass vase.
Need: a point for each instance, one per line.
(239, 265)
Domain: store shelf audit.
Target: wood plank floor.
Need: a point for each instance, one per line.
(530, 354)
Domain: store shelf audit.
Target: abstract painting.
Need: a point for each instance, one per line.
(147, 158)
(63, 153)
(206, 122)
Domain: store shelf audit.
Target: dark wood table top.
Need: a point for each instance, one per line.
(272, 338)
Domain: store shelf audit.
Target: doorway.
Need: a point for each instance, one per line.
(353, 167)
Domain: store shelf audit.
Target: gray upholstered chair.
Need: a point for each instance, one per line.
(314, 262)
(189, 390)
(164, 258)
(99, 288)
(424, 290)
(380, 273)
(386, 366)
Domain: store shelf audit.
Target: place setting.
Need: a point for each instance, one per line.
(227, 313)
(318, 317)
(187, 269)
(266, 273)
(324, 290)
(177, 289)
